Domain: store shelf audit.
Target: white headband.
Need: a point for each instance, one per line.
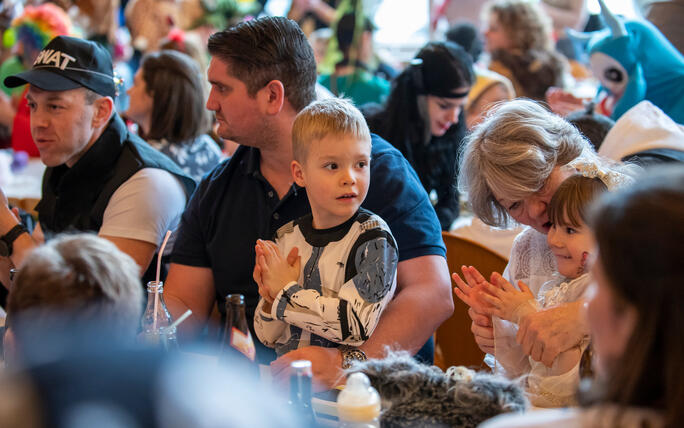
(611, 178)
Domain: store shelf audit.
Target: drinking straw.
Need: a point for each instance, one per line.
(180, 320)
(156, 295)
(161, 251)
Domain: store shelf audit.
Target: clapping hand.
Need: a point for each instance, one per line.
(505, 301)
(469, 293)
(472, 289)
(272, 271)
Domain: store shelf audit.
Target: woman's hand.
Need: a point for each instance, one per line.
(483, 331)
(545, 334)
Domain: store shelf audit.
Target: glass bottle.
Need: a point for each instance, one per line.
(236, 334)
(300, 391)
(358, 405)
(155, 328)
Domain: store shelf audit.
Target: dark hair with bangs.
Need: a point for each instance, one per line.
(265, 49)
(570, 204)
(174, 81)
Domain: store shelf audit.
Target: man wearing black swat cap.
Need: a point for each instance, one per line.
(99, 176)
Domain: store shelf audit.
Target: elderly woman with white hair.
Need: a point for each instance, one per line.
(511, 166)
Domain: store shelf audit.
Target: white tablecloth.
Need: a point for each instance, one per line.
(26, 183)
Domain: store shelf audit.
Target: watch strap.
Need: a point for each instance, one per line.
(12, 235)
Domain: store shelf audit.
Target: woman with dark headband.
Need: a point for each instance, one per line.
(424, 119)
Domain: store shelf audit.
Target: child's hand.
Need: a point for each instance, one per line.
(275, 270)
(505, 301)
(263, 290)
(472, 289)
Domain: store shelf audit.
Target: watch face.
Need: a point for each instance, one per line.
(351, 355)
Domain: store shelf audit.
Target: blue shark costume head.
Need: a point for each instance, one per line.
(635, 62)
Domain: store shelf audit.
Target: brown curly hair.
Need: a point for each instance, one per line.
(523, 21)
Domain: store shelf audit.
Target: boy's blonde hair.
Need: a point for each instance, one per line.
(336, 116)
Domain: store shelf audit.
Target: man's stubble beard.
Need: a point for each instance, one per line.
(265, 136)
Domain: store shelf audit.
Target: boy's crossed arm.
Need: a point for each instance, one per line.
(346, 317)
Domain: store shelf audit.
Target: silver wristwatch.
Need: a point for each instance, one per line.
(351, 354)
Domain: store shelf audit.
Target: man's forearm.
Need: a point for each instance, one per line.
(400, 328)
(190, 328)
(423, 302)
(189, 287)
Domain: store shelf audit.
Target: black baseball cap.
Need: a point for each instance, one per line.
(69, 63)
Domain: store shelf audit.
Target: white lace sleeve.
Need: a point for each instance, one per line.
(557, 292)
(532, 261)
(555, 386)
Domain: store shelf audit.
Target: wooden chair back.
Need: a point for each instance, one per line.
(454, 342)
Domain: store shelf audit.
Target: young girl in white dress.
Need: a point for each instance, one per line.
(571, 244)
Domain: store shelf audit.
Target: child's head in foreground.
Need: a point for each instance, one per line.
(570, 238)
(72, 287)
(635, 315)
(331, 147)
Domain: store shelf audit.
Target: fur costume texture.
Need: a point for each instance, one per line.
(417, 395)
(635, 62)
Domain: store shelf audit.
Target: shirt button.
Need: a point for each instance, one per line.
(270, 194)
(276, 216)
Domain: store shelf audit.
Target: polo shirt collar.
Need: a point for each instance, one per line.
(251, 161)
(251, 165)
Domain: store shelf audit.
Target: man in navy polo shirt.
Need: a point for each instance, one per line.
(262, 73)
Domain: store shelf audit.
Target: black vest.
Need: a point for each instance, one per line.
(75, 199)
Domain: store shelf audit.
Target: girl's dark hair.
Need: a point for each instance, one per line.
(445, 66)
(570, 204)
(440, 68)
(174, 82)
(639, 232)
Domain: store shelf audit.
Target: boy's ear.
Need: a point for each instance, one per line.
(298, 173)
(272, 97)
